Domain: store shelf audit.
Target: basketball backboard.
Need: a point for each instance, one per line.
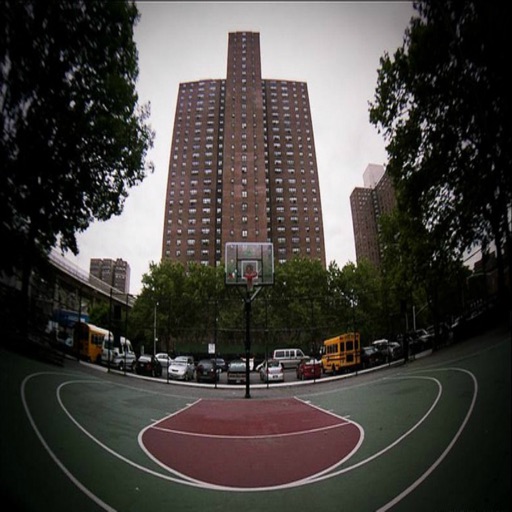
(249, 263)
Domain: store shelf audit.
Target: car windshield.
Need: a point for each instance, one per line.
(181, 359)
(179, 363)
(237, 365)
(274, 364)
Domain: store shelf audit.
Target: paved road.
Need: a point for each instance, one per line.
(436, 437)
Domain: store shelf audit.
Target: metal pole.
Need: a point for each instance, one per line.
(109, 330)
(154, 330)
(247, 344)
(266, 335)
(126, 331)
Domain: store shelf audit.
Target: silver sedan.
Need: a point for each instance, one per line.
(181, 369)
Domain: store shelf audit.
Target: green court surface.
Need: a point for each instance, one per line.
(435, 437)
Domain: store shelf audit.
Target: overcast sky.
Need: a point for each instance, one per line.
(334, 46)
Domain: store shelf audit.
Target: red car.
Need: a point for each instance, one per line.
(309, 369)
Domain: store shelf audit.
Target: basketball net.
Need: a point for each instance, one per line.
(249, 276)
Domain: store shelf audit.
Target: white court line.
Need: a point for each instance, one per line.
(208, 485)
(262, 436)
(184, 479)
(429, 471)
(57, 461)
(197, 484)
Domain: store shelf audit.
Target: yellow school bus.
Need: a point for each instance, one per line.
(341, 353)
(88, 341)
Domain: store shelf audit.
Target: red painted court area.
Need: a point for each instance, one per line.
(251, 443)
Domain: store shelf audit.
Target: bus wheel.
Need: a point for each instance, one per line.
(334, 369)
(121, 366)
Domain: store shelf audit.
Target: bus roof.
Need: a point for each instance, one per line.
(341, 337)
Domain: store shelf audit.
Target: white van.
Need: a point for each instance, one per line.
(289, 357)
(121, 357)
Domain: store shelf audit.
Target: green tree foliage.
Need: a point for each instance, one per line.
(73, 137)
(417, 270)
(443, 104)
(183, 300)
(297, 300)
(358, 289)
(306, 305)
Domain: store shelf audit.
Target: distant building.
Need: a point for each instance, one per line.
(115, 273)
(243, 165)
(368, 203)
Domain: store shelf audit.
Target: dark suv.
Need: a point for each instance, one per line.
(148, 365)
(370, 356)
(206, 371)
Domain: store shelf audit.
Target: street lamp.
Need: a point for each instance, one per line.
(154, 330)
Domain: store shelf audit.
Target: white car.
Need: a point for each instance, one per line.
(182, 368)
(391, 350)
(163, 359)
(121, 357)
(272, 371)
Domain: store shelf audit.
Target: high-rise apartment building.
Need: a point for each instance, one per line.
(242, 165)
(115, 273)
(368, 203)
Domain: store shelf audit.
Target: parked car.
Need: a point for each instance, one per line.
(220, 364)
(391, 350)
(309, 368)
(289, 357)
(395, 350)
(420, 340)
(164, 359)
(370, 357)
(272, 371)
(148, 365)
(119, 356)
(206, 371)
(236, 372)
(181, 368)
(251, 363)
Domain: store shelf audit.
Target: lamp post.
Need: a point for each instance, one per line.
(154, 329)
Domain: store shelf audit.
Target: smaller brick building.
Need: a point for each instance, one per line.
(367, 204)
(115, 273)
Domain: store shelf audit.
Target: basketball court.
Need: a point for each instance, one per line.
(430, 435)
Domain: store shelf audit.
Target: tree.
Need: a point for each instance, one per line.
(300, 288)
(444, 107)
(416, 270)
(184, 301)
(73, 138)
